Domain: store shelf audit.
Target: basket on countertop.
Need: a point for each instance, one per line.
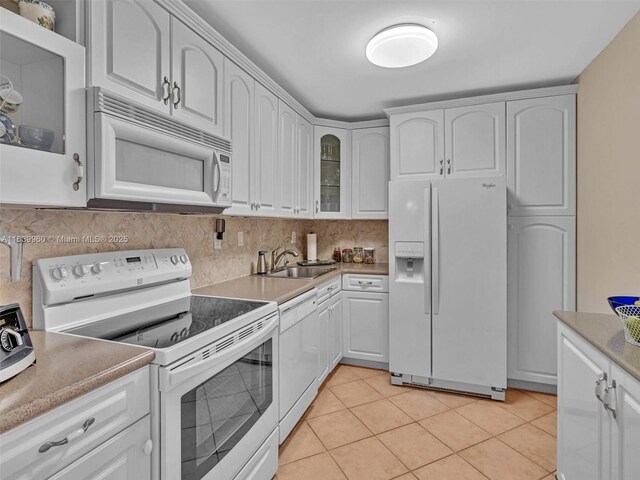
(630, 316)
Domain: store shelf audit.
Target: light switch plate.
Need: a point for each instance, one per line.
(240, 239)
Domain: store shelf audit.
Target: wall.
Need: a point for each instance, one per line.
(609, 173)
(63, 231)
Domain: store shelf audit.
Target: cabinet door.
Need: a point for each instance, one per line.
(49, 72)
(305, 170)
(266, 151)
(417, 145)
(370, 173)
(332, 173)
(335, 331)
(475, 141)
(130, 50)
(366, 326)
(238, 126)
(541, 156)
(324, 322)
(541, 278)
(287, 159)
(584, 429)
(626, 427)
(127, 456)
(196, 79)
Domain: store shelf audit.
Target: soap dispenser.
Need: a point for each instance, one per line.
(261, 269)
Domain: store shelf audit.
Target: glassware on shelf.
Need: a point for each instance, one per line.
(347, 255)
(358, 255)
(369, 257)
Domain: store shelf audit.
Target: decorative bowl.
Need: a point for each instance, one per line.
(35, 137)
(10, 100)
(621, 301)
(8, 129)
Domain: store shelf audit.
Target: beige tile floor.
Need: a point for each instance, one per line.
(360, 427)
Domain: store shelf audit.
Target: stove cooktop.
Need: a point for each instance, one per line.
(169, 323)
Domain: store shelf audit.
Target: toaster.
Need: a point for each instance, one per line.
(16, 350)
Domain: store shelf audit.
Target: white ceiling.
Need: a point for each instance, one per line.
(315, 49)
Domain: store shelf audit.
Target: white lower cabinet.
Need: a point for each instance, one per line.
(127, 456)
(324, 313)
(366, 323)
(593, 442)
(541, 279)
(335, 332)
(330, 321)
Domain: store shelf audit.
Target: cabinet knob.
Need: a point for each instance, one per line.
(147, 447)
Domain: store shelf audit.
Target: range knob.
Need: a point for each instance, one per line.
(10, 339)
(174, 259)
(183, 258)
(80, 270)
(96, 267)
(60, 273)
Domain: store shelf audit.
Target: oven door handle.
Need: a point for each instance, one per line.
(201, 361)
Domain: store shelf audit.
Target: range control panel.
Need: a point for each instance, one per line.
(64, 279)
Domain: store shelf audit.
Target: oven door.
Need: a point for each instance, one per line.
(219, 405)
(136, 163)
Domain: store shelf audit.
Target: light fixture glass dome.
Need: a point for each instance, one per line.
(401, 46)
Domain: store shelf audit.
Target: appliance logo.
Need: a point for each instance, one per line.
(489, 185)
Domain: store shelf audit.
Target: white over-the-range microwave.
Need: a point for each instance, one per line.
(142, 160)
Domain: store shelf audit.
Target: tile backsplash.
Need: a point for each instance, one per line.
(54, 233)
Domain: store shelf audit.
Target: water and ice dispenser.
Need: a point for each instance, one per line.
(409, 262)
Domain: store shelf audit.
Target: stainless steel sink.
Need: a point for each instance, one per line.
(301, 272)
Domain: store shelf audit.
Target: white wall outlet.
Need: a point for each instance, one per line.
(240, 239)
(293, 237)
(217, 244)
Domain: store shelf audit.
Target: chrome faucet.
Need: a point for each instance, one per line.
(15, 244)
(277, 258)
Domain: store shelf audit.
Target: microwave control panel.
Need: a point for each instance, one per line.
(224, 190)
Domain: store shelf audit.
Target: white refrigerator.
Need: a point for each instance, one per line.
(447, 284)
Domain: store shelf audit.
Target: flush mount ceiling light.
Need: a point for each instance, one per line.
(401, 46)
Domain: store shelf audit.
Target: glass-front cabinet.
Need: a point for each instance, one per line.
(332, 173)
(42, 117)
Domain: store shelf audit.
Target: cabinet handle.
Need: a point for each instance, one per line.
(176, 91)
(69, 438)
(317, 206)
(360, 282)
(258, 205)
(79, 172)
(599, 390)
(609, 398)
(448, 166)
(147, 447)
(166, 91)
(441, 167)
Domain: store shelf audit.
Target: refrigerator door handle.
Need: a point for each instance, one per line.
(435, 242)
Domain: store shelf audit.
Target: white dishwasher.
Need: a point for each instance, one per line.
(298, 358)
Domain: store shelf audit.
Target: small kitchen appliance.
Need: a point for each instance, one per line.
(16, 350)
(261, 268)
(214, 378)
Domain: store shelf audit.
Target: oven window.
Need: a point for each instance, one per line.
(219, 412)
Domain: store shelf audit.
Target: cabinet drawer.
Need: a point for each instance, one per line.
(112, 407)
(264, 462)
(328, 289)
(127, 456)
(366, 283)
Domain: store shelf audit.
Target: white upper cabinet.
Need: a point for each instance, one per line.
(417, 145)
(239, 127)
(305, 171)
(196, 79)
(130, 50)
(541, 156)
(42, 167)
(370, 173)
(332, 173)
(541, 279)
(287, 159)
(266, 152)
(475, 141)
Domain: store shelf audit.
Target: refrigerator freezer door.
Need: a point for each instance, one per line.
(469, 327)
(410, 278)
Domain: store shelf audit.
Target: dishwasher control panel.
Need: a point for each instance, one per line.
(297, 309)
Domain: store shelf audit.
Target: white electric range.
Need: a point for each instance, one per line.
(215, 373)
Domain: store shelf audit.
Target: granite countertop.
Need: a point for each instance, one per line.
(280, 290)
(66, 368)
(605, 332)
